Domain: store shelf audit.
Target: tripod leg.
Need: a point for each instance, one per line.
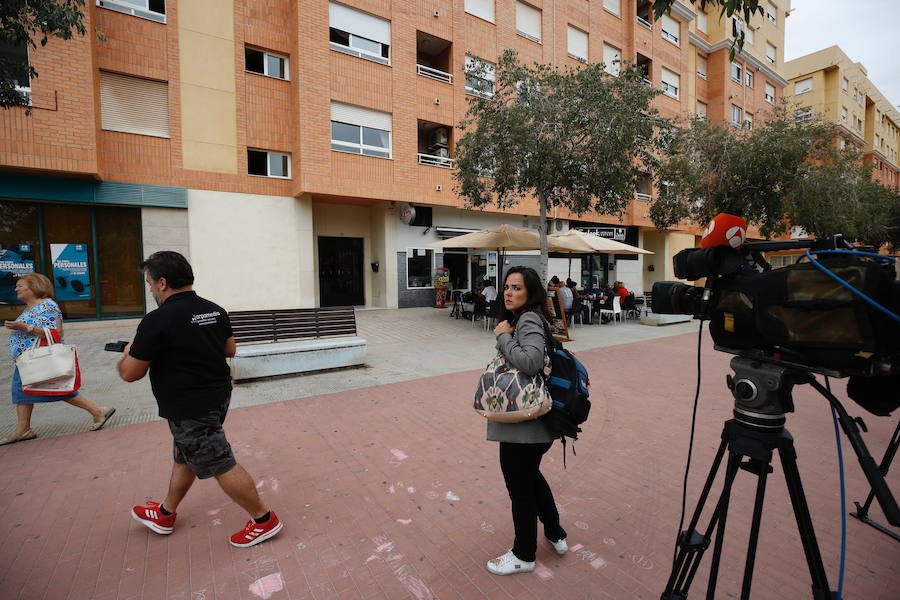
(788, 456)
(763, 473)
(719, 518)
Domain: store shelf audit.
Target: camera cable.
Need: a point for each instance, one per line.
(687, 465)
(829, 273)
(840, 454)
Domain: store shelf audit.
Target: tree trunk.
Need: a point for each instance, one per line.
(542, 202)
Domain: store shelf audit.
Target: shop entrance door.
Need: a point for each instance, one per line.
(459, 274)
(341, 271)
(478, 261)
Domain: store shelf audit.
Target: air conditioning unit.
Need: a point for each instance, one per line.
(439, 137)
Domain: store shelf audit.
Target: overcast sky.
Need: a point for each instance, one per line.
(866, 30)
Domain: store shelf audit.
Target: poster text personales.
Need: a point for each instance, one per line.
(71, 276)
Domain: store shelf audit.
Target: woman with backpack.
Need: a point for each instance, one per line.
(521, 339)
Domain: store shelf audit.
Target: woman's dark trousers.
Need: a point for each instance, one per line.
(530, 496)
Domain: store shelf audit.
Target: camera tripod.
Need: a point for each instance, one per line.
(762, 392)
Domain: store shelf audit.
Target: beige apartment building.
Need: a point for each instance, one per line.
(830, 84)
(300, 152)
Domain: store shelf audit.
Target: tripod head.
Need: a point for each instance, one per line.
(762, 392)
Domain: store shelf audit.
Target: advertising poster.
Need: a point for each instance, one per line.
(71, 276)
(15, 260)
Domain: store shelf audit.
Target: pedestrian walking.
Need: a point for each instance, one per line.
(184, 343)
(41, 312)
(521, 338)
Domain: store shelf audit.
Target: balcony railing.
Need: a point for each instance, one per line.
(436, 161)
(644, 22)
(647, 82)
(434, 74)
(642, 197)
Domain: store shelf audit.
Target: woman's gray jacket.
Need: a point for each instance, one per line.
(524, 350)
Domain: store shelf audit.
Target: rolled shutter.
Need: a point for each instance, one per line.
(357, 115)
(489, 74)
(359, 23)
(578, 43)
(610, 55)
(803, 86)
(670, 26)
(528, 20)
(701, 65)
(134, 105)
(481, 8)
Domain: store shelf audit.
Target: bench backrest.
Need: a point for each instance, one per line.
(292, 324)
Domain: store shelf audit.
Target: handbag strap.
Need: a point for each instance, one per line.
(47, 336)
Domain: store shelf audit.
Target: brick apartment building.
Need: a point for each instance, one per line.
(278, 143)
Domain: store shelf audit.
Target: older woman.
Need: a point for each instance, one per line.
(40, 311)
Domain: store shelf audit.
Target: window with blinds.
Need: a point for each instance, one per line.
(611, 58)
(770, 93)
(803, 86)
(358, 33)
(359, 130)
(578, 44)
(770, 53)
(701, 22)
(671, 30)
(528, 22)
(134, 105)
(701, 109)
(483, 9)
(613, 6)
(671, 81)
(701, 67)
(480, 77)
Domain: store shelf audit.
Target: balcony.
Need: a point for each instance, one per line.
(434, 144)
(433, 57)
(644, 13)
(646, 66)
(642, 197)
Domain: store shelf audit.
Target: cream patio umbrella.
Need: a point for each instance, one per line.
(581, 241)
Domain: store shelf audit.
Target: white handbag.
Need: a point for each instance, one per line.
(42, 364)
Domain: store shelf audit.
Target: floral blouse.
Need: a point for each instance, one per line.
(43, 314)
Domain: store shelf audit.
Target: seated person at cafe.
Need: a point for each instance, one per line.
(582, 296)
(619, 290)
(489, 291)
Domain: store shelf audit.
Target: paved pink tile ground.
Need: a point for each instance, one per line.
(392, 493)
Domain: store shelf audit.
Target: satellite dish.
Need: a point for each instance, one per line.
(407, 212)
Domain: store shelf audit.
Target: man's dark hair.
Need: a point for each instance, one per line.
(171, 265)
(537, 295)
(554, 280)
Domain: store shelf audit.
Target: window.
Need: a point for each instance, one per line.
(701, 109)
(772, 13)
(737, 26)
(748, 121)
(419, 267)
(770, 53)
(671, 29)
(359, 130)
(612, 57)
(857, 123)
(735, 115)
(803, 86)
(578, 44)
(701, 22)
(483, 9)
(701, 66)
(860, 97)
(803, 114)
(21, 79)
(268, 164)
(845, 84)
(154, 10)
(257, 61)
(613, 6)
(528, 22)
(736, 72)
(748, 79)
(770, 93)
(480, 77)
(134, 105)
(843, 143)
(671, 81)
(748, 35)
(359, 34)
(844, 114)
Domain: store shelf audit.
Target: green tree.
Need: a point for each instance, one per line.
(786, 172)
(575, 138)
(21, 22)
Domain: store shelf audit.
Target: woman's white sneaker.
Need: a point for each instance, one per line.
(561, 546)
(508, 564)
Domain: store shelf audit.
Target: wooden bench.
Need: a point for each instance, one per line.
(282, 342)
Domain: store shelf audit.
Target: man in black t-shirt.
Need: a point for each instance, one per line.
(183, 344)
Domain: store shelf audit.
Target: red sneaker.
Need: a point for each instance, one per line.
(153, 518)
(255, 533)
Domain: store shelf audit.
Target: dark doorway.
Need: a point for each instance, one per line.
(341, 271)
(459, 273)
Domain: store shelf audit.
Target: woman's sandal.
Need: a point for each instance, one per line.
(23, 437)
(97, 425)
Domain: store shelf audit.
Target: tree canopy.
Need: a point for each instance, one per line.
(21, 23)
(727, 8)
(785, 172)
(578, 138)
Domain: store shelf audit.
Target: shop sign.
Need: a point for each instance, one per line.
(406, 212)
(15, 260)
(71, 276)
(612, 233)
